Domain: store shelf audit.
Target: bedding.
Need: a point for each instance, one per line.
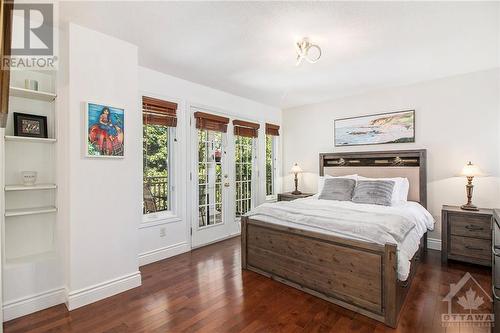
(321, 180)
(404, 224)
(400, 191)
(377, 192)
(338, 189)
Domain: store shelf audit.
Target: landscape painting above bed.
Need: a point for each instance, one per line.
(392, 127)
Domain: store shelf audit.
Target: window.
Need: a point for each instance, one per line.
(270, 166)
(244, 167)
(211, 131)
(272, 132)
(245, 134)
(210, 177)
(159, 122)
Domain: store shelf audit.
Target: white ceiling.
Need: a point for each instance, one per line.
(247, 48)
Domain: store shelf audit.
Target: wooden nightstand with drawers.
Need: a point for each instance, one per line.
(466, 235)
(288, 196)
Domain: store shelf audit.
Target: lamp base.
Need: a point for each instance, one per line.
(469, 207)
(296, 192)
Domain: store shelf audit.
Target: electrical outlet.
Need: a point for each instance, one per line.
(163, 232)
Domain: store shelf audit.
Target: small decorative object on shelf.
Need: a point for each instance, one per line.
(30, 125)
(296, 170)
(470, 171)
(31, 84)
(105, 131)
(29, 178)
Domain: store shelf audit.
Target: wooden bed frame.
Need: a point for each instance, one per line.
(357, 275)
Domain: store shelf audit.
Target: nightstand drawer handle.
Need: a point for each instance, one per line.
(473, 228)
(495, 294)
(473, 248)
(494, 249)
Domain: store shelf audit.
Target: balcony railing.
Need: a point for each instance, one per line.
(155, 194)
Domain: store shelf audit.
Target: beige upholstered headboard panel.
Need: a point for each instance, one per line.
(410, 164)
(412, 173)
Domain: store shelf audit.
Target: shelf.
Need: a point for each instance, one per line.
(30, 211)
(43, 256)
(32, 94)
(28, 139)
(36, 187)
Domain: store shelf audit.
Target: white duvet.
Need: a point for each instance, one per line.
(404, 224)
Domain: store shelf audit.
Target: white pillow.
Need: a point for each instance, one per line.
(321, 180)
(400, 191)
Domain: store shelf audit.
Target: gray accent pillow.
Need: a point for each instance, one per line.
(375, 192)
(338, 189)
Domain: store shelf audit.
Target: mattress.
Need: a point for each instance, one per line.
(403, 225)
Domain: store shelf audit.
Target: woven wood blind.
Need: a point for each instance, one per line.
(158, 112)
(272, 129)
(211, 122)
(246, 128)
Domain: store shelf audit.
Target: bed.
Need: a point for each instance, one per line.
(356, 272)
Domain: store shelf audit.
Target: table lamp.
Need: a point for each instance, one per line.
(469, 171)
(296, 170)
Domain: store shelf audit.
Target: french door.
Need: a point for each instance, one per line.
(223, 178)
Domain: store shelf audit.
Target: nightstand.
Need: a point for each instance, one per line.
(466, 235)
(288, 196)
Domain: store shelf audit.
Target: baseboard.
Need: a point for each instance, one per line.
(163, 253)
(236, 234)
(79, 298)
(30, 304)
(434, 244)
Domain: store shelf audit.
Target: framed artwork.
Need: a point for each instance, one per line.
(105, 131)
(392, 127)
(30, 125)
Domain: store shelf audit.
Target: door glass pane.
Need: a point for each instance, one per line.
(210, 170)
(269, 165)
(244, 163)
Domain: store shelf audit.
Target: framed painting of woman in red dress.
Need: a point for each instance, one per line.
(105, 131)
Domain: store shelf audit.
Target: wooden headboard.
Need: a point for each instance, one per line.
(393, 163)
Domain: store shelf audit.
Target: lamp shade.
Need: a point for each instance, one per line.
(296, 169)
(471, 170)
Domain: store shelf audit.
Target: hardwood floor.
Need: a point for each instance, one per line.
(206, 291)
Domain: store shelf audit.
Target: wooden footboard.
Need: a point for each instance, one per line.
(357, 275)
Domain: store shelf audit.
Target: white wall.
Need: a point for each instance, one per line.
(104, 196)
(187, 94)
(456, 121)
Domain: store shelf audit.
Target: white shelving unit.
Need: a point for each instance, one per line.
(32, 94)
(29, 139)
(30, 211)
(29, 214)
(35, 187)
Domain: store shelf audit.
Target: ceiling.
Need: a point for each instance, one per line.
(247, 48)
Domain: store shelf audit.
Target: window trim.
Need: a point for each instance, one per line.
(172, 215)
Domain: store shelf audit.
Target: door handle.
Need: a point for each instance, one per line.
(494, 249)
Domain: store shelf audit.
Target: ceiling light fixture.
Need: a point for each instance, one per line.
(308, 51)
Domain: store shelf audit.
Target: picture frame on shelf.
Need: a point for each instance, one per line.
(104, 131)
(30, 125)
